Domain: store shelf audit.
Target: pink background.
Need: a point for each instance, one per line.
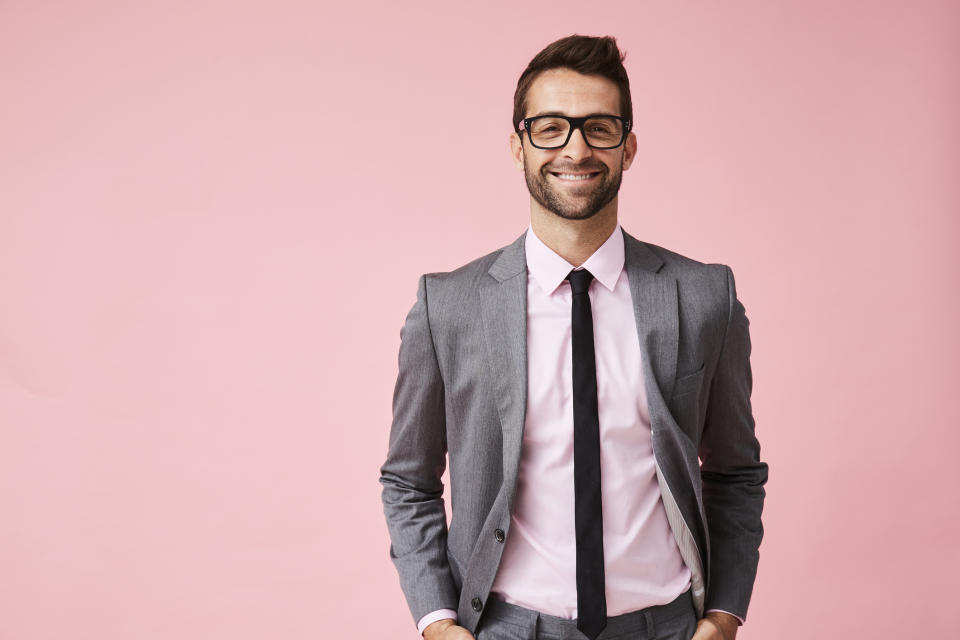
(213, 216)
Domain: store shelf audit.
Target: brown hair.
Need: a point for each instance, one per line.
(584, 54)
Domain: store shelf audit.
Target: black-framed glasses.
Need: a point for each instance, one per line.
(554, 131)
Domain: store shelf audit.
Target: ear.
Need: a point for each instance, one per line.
(516, 150)
(629, 150)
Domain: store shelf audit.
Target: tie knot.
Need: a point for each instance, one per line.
(579, 280)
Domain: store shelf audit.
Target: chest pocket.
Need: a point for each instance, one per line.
(685, 402)
(688, 382)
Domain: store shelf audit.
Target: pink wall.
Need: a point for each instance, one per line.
(213, 216)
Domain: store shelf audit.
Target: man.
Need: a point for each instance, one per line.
(592, 392)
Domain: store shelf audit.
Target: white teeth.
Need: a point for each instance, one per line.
(571, 176)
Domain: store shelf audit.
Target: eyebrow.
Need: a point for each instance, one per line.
(560, 113)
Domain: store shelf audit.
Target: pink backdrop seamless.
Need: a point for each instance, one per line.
(213, 216)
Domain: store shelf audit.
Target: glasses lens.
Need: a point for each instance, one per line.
(549, 132)
(603, 132)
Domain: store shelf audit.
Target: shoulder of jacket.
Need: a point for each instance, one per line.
(684, 266)
(466, 275)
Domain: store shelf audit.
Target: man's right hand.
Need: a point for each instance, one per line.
(446, 629)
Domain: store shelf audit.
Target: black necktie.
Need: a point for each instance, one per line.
(591, 599)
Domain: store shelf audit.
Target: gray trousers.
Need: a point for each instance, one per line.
(504, 621)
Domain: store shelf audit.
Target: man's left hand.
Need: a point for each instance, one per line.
(716, 625)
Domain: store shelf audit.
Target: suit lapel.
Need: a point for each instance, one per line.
(655, 310)
(503, 308)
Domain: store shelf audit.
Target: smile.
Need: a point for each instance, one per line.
(575, 177)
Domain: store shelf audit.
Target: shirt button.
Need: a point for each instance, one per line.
(498, 534)
(476, 604)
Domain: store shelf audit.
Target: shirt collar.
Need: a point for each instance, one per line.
(549, 269)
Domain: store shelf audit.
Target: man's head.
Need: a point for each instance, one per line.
(576, 76)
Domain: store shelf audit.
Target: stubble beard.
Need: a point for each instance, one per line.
(565, 207)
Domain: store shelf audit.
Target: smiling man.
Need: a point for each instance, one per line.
(592, 393)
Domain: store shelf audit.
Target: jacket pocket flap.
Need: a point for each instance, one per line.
(688, 382)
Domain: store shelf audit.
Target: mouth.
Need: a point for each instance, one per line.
(575, 177)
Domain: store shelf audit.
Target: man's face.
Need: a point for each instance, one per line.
(574, 181)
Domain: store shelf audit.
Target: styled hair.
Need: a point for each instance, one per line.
(584, 54)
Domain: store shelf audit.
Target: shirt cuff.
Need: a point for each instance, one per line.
(722, 611)
(433, 616)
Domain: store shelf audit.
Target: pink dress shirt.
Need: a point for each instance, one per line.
(642, 562)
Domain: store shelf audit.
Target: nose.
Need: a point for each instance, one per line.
(577, 148)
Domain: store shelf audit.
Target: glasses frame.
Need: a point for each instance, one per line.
(575, 124)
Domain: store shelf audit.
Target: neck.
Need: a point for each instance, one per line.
(573, 240)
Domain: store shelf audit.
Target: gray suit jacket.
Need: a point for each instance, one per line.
(462, 391)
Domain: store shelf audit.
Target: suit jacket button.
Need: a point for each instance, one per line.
(476, 604)
(498, 534)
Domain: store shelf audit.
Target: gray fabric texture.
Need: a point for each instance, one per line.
(460, 395)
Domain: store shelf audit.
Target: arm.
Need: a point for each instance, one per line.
(416, 457)
(732, 473)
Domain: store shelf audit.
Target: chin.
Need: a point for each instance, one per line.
(567, 214)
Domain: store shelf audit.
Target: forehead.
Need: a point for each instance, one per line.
(568, 92)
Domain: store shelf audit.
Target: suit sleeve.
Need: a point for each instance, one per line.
(412, 491)
(733, 475)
